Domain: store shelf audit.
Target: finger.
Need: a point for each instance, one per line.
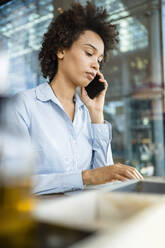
(102, 79)
(127, 172)
(138, 175)
(133, 174)
(121, 178)
(100, 74)
(124, 171)
(133, 170)
(104, 82)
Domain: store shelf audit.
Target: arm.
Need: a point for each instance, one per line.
(102, 147)
(43, 183)
(57, 182)
(104, 170)
(102, 153)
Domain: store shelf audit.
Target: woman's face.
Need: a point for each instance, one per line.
(80, 63)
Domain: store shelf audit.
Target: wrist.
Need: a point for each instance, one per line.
(86, 177)
(97, 117)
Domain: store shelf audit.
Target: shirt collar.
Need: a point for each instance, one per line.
(45, 93)
(78, 100)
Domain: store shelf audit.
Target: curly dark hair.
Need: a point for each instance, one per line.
(67, 27)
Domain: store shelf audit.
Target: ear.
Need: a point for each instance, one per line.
(60, 54)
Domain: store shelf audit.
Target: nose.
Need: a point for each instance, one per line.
(95, 64)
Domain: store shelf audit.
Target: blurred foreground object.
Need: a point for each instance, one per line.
(16, 163)
(4, 65)
(18, 227)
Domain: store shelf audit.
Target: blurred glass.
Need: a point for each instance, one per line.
(22, 25)
(135, 99)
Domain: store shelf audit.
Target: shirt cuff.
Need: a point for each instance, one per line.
(57, 183)
(102, 131)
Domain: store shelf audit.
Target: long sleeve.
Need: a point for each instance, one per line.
(57, 182)
(17, 155)
(43, 183)
(102, 153)
(20, 120)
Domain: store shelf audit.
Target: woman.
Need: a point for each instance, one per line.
(72, 140)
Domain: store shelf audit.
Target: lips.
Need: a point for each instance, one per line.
(90, 75)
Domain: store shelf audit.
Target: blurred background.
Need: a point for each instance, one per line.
(135, 103)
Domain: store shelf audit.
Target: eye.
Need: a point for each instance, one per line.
(88, 54)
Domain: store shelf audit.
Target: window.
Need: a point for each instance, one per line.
(134, 101)
(22, 25)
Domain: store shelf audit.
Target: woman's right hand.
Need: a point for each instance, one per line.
(110, 173)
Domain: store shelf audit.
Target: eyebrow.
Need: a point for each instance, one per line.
(93, 48)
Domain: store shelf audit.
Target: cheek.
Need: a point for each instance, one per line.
(80, 58)
(83, 63)
(72, 61)
(76, 64)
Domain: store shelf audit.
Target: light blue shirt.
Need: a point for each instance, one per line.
(64, 148)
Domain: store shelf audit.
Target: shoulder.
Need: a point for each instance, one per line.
(23, 102)
(25, 95)
(30, 96)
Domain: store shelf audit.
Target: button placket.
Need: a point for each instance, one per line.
(74, 140)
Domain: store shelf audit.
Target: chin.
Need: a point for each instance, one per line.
(83, 84)
(86, 82)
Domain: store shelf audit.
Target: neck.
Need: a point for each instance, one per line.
(62, 88)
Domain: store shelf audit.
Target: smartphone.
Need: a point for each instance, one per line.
(94, 87)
